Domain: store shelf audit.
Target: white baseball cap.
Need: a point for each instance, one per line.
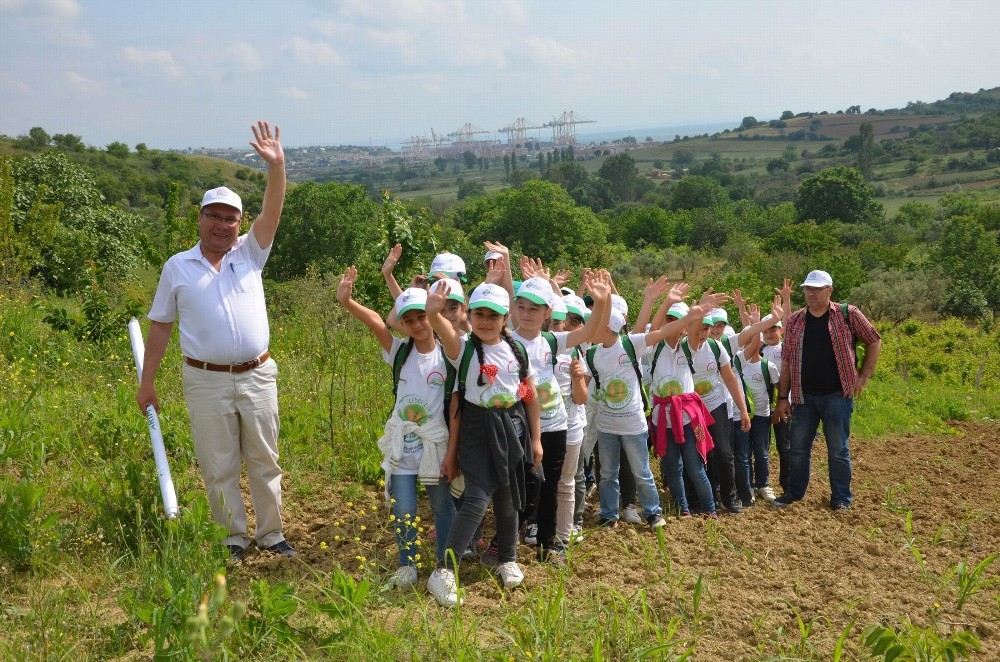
(817, 278)
(616, 321)
(719, 315)
(222, 196)
(455, 291)
(575, 305)
(559, 308)
(490, 296)
(412, 298)
(768, 317)
(536, 290)
(447, 263)
(492, 255)
(619, 304)
(678, 311)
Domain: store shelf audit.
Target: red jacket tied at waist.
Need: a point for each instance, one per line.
(686, 403)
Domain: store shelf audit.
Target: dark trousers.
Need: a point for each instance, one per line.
(553, 454)
(782, 444)
(721, 463)
(470, 516)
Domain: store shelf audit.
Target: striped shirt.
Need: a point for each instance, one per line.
(841, 335)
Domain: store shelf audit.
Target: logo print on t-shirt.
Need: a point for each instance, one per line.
(548, 396)
(414, 413)
(669, 387)
(617, 393)
(435, 379)
(702, 387)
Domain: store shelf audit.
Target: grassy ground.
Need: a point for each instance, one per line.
(90, 571)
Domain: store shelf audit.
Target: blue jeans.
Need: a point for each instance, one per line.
(834, 411)
(637, 453)
(684, 457)
(751, 451)
(403, 488)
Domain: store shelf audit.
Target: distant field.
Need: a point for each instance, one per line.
(841, 126)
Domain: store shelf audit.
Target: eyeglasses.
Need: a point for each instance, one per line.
(221, 218)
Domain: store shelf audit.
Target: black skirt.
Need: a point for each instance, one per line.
(490, 453)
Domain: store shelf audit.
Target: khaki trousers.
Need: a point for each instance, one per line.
(234, 418)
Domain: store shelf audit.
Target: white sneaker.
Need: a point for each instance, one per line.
(531, 535)
(766, 493)
(441, 585)
(576, 535)
(631, 514)
(510, 574)
(404, 577)
(656, 522)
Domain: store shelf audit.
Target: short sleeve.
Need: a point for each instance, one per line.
(164, 307)
(257, 254)
(390, 355)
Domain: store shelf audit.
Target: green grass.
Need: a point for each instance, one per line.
(89, 570)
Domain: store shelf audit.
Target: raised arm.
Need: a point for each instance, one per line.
(653, 291)
(672, 330)
(388, 266)
(760, 325)
(786, 298)
(508, 281)
(366, 316)
(600, 290)
(736, 391)
(268, 147)
(741, 307)
(450, 340)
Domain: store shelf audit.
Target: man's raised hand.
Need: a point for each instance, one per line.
(268, 146)
(677, 293)
(712, 299)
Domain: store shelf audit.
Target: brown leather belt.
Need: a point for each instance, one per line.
(238, 368)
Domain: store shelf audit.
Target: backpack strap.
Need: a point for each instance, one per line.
(845, 311)
(521, 354)
(630, 350)
(687, 354)
(765, 369)
(553, 345)
(714, 345)
(736, 363)
(398, 361)
(463, 367)
(729, 347)
(656, 356)
(593, 369)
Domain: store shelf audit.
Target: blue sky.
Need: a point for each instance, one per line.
(179, 73)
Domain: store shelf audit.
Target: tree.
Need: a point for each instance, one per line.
(506, 165)
(117, 149)
(328, 226)
(470, 159)
(39, 137)
(969, 255)
(681, 157)
(470, 189)
(697, 192)
(620, 172)
(141, 149)
(777, 165)
(440, 163)
(541, 163)
(539, 218)
(837, 193)
(787, 115)
(642, 225)
(748, 122)
(865, 149)
(68, 142)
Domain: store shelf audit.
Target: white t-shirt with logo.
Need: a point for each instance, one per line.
(503, 391)
(619, 400)
(707, 380)
(671, 376)
(576, 415)
(773, 354)
(754, 376)
(551, 406)
(419, 397)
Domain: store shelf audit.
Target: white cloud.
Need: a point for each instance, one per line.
(57, 9)
(244, 56)
(293, 92)
(551, 53)
(314, 52)
(82, 84)
(152, 61)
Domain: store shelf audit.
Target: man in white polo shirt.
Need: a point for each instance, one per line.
(215, 288)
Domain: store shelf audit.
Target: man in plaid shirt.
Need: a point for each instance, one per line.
(819, 382)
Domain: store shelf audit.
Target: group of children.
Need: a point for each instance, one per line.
(505, 401)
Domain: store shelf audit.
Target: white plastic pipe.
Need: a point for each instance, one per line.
(159, 451)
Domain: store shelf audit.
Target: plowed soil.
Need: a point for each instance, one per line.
(763, 571)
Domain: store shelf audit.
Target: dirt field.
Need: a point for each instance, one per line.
(763, 571)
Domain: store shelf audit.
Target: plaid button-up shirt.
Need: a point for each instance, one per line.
(842, 336)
